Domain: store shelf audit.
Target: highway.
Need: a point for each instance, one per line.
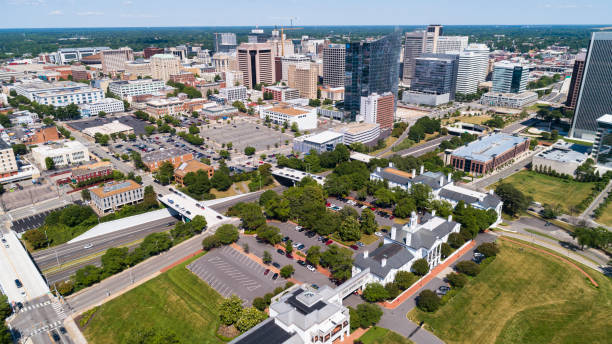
(424, 148)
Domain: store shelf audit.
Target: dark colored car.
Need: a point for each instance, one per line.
(55, 336)
(442, 290)
(285, 239)
(275, 276)
(62, 330)
(328, 242)
(280, 251)
(267, 271)
(276, 265)
(289, 255)
(354, 247)
(301, 262)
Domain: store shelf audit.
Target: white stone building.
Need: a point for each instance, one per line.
(63, 153)
(109, 197)
(108, 105)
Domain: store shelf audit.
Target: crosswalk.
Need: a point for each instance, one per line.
(34, 306)
(59, 310)
(48, 327)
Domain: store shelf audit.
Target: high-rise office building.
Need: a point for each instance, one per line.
(225, 42)
(451, 43)
(334, 58)
(114, 60)
(371, 67)
(436, 74)
(510, 77)
(301, 61)
(417, 43)
(256, 62)
(304, 79)
(434, 31)
(473, 65)
(577, 72)
(164, 65)
(379, 108)
(595, 96)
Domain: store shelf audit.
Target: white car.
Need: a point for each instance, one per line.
(378, 234)
(297, 228)
(310, 267)
(90, 245)
(296, 244)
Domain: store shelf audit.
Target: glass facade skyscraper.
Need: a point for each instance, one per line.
(595, 95)
(602, 149)
(371, 67)
(436, 74)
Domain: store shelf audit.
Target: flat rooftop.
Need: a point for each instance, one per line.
(114, 188)
(289, 111)
(488, 147)
(165, 154)
(322, 137)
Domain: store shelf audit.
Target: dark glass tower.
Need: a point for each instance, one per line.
(595, 96)
(436, 74)
(371, 67)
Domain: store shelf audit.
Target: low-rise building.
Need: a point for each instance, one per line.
(8, 164)
(562, 157)
(23, 117)
(420, 238)
(108, 105)
(184, 78)
(62, 153)
(175, 156)
(335, 94)
(164, 107)
(234, 93)
(130, 88)
(305, 118)
(508, 100)
(43, 135)
(282, 93)
(60, 93)
(215, 111)
(114, 127)
(86, 172)
(302, 315)
(321, 142)
(109, 197)
(359, 132)
(191, 166)
(487, 153)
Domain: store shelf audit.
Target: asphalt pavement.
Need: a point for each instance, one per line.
(424, 148)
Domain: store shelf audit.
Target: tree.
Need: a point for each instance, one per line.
(384, 197)
(368, 314)
(114, 260)
(313, 255)
(221, 180)
(260, 303)
(367, 222)
(375, 292)
(468, 267)
(36, 238)
(428, 301)
(420, 267)
(230, 310)
(20, 149)
(102, 114)
(294, 127)
(514, 200)
(393, 290)
(249, 150)
(49, 163)
(489, 249)
(251, 216)
(5, 307)
(286, 271)
(404, 207)
(288, 246)
(445, 250)
(267, 257)
(268, 196)
(404, 279)
(350, 229)
(269, 234)
(210, 242)
(455, 240)
(227, 234)
(249, 317)
(85, 195)
(456, 280)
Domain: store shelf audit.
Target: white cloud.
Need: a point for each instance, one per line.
(567, 6)
(27, 2)
(90, 13)
(56, 13)
(128, 3)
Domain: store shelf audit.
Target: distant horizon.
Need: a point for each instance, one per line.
(307, 26)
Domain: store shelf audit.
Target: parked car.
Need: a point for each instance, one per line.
(297, 228)
(442, 290)
(301, 262)
(275, 276)
(56, 337)
(276, 265)
(328, 242)
(310, 267)
(360, 244)
(285, 239)
(354, 247)
(267, 271)
(378, 234)
(296, 244)
(301, 247)
(315, 286)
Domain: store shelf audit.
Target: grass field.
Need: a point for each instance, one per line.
(526, 296)
(470, 119)
(388, 142)
(606, 216)
(381, 335)
(176, 301)
(550, 190)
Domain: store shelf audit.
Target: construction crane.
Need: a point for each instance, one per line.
(283, 36)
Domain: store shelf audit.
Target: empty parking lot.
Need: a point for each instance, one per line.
(246, 134)
(30, 222)
(231, 272)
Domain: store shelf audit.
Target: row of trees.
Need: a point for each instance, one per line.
(315, 162)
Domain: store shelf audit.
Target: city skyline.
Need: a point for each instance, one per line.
(138, 13)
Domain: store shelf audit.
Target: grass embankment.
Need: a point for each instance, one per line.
(176, 301)
(606, 215)
(480, 119)
(525, 296)
(388, 142)
(381, 335)
(550, 190)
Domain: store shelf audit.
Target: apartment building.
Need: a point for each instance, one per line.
(8, 163)
(130, 88)
(164, 107)
(60, 93)
(305, 118)
(111, 196)
(231, 94)
(108, 105)
(304, 79)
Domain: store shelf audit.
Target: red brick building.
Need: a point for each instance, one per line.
(185, 78)
(97, 169)
(150, 51)
(175, 156)
(385, 111)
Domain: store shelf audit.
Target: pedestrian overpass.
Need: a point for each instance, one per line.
(354, 283)
(186, 208)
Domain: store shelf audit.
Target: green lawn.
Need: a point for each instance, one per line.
(525, 296)
(381, 335)
(606, 216)
(550, 190)
(177, 301)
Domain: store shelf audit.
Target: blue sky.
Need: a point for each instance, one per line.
(123, 13)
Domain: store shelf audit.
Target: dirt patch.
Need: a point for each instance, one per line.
(228, 331)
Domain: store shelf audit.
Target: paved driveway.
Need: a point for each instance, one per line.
(231, 272)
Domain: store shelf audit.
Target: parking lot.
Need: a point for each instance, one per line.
(29, 194)
(245, 133)
(130, 120)
(231, 272)
(30, 222)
